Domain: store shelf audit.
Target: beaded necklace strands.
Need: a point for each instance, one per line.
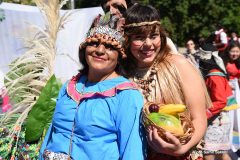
(146, 84)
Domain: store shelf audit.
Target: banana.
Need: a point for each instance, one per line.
(172, 109)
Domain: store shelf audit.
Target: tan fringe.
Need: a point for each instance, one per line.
(170, 85)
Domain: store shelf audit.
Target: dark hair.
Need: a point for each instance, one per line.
(83, 62)
(226, 57)
(191, 39)
(85, 67)
(142, 13)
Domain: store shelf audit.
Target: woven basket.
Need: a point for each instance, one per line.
(185, 121)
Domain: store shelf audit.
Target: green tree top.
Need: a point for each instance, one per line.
(184, 19)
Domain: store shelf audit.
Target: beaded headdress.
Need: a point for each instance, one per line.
(107, 28)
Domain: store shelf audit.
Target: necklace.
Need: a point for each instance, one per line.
(146, 84)
(73, 126)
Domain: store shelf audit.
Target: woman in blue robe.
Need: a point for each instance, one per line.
(97, 115)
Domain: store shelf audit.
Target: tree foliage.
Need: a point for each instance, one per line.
(185, 19)
(86, 4)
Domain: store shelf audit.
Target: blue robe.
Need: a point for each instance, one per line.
(107, 127)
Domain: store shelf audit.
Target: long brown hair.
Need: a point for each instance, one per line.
(137, 14)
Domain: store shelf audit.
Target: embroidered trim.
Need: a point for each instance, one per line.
(77, 96)
(71, 87)
(216, 74)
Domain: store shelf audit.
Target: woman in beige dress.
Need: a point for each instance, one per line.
(164, 78)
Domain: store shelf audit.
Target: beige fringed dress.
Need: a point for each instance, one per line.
(165, 88)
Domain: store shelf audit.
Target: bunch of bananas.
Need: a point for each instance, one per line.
(172, 109)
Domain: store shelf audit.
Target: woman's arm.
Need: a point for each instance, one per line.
(194, 93)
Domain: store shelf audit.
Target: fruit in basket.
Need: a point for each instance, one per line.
(153, 108)
(168, 122)
(172, 109)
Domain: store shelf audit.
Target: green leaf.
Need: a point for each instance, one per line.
(41, 114)
(107, 17)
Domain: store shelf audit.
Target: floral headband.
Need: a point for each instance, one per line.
(142, 24)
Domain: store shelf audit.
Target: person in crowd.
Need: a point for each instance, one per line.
(163, 78)
(119, 7)
(220, 41)
(97, 113)
(191, 47)
(232, 60)
(191, 52)
(234, 38)
(217, 138)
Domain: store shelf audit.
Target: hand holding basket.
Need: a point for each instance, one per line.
(173, 118)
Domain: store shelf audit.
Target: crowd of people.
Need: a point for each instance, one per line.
(128, 61)
(218, 58)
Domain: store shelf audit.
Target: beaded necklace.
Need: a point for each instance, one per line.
(146, 84)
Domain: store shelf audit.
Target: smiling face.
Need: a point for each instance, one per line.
(101, 58)
(145, 47)
(234, 53)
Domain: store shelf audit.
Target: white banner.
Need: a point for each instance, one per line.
(18, 19)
